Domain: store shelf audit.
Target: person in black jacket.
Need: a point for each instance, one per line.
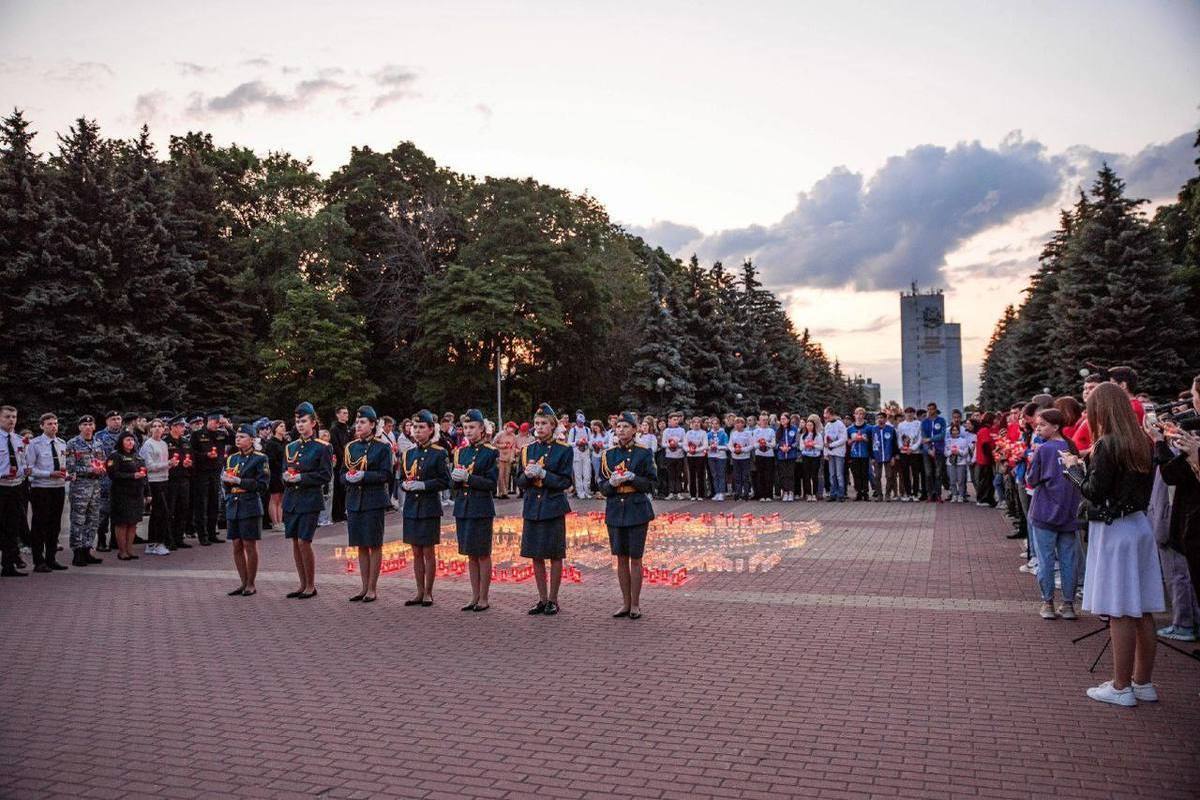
(1182, 471)
(339, 436)
(1123, 576)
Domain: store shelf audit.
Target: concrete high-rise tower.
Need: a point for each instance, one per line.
(931, 351)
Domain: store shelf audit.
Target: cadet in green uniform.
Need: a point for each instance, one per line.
(425, 475)
(544, 474)
(627, 474)
(476, 469)
(245, 474)
(367, 464)
(308, 465)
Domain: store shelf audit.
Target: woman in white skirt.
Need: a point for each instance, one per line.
(1123, 577)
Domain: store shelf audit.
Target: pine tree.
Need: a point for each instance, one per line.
(24, 215)
(997, 383)
(1179, 225)
(1034, 331)
(657, 357)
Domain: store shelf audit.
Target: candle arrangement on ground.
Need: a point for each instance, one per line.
(679, 547)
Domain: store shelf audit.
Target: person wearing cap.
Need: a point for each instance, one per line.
(209, 446)
(368, 465)
(426, 474)
(179, 481)
(13, 473)
(474, 475)
(244, 475)
(107, 437)
(544, 474)
(579, 437)
(627, 475)
(506, 446)
(85, 464)
(308, 466)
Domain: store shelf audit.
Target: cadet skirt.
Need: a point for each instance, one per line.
(365, 528)
(126, 504)
(302, 526)
(1123, 576)
(544, 538)
(629, 540)
(474, 536)
(423, 532)
(248, 528)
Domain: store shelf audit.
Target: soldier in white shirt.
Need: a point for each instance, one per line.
(764, 458)
(46, 458)
(835, 452)
(579, 437)
(13, 473)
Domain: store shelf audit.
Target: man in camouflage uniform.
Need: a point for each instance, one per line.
(85, 465)
(108, 441)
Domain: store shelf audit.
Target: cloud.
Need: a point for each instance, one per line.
(256, 62)
(873, 326)
(899, 224)
(79, 72)
(670, 236)
(148, 106)
(397, 81)
(259, 95)
(190, 68)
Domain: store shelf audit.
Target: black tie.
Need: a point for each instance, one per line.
(54, 453)
(12, 453)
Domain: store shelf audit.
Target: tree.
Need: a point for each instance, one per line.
(657, 356)
(1179, 225)
(997, 381)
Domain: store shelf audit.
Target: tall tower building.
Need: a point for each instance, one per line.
(931, 351)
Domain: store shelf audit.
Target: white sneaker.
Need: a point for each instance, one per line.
(151, 550)
(1030, 567)
(1144, 692)
(1105, 693)
(720, 498)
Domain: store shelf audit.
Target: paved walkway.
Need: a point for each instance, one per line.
(853, 650)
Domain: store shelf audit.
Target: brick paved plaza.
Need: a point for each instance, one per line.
(874, 651)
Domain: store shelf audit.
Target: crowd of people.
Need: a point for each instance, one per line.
(1110, 475)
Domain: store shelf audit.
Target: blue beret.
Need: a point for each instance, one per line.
(628, 416)
(367, 412)
(546, 410)
(247, 430)
(305, 408)
(473, 415)
(426, 416)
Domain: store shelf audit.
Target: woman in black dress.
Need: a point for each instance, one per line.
(273, 448)
(127, 497)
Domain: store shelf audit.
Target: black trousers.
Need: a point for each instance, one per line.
(159, 529)
(787, 475)
(206, 497)
(764, 476)
(179, 498)
(985, 491)
(859, 468)
(675, 469)
(914, 467)
(47, 503)
(12, 522)
(338, 512)
(697, 468)
(810, 470)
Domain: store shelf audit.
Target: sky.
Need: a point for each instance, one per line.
(849, 148)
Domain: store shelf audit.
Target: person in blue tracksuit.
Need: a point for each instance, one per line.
(308, 466)
(627, 476)
(245, 476)
(933, 434)
(476, 468)
(544, 473)
(426, 475)
(858, 434)
(366, 468)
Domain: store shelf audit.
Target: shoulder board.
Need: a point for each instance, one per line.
(643, 447)
(436, 447)
(488, 446)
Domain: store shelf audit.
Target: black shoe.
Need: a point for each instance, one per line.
(249, 592)
(358, 597)
(80, 560)
(216, 540)
(468, 607)
(291, 595)
(12, 572)
(138, 540)
(19, 563)
(369, 599)
(481, 608)
(91, 559)
(306, 595)
(236, 592)
(1015, 535)
(42, 568)
(55, 565)
(621, 614)
(426, 603)
(551, 609)
(412, 602)
(635, 615)
(540, 608)
(182, 546)
(205, 542)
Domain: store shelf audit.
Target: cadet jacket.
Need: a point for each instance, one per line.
(244, 500)
(473, 499)
(429, 465)
(209, 449)
(180, 449)
(312, 461)
(85, 459)
(544, 498)
(372, 458)
(628, 504)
